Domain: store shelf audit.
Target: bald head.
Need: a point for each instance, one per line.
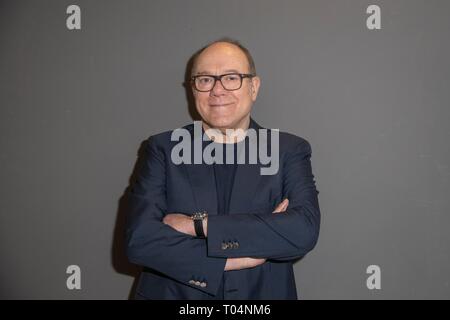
(229, 48)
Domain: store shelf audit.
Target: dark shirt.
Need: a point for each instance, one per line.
(224, 176)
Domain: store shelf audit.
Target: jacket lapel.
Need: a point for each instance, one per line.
(201, 178)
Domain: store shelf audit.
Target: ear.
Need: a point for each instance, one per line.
(256, 82)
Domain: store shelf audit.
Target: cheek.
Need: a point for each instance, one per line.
(201, 101)
(245, 101)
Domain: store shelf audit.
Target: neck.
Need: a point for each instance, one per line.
(227, 135)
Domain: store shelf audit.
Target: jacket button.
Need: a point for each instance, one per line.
(235, 245)
(191, 281)
(197, 283)
(203, 284)
(224, 246)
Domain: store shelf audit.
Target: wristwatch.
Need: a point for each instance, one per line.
(198, 218)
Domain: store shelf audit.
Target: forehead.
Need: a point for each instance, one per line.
(221, 57)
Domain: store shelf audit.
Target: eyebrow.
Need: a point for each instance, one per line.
(226, 71)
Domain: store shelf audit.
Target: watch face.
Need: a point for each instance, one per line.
(199, 215)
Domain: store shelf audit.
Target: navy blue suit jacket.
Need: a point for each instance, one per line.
(179, 266)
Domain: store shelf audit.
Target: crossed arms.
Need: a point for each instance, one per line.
(164, 241)
(184, 224)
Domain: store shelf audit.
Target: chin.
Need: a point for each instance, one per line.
(221, 123)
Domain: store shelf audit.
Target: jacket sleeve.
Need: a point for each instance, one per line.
(153, 244)
(276, 236)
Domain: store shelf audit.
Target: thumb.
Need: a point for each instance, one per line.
(282, 206)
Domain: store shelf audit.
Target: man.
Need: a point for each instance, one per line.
(221, 230)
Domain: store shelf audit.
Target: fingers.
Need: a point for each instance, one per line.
(282, 206)
(242, 263)
(285, 205)
(259, 261)
(254, 262)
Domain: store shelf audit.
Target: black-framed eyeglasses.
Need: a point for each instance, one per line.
(229, 81)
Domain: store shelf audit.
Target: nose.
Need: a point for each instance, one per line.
(218, 89)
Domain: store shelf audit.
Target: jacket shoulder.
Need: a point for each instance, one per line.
(288, 141)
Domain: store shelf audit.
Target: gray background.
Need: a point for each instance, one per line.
(77, 105)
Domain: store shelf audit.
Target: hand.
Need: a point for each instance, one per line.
(180, 222)
(242, 263)
(282, 206)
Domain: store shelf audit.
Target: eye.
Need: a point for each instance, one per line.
(231, 77)
(204, 80)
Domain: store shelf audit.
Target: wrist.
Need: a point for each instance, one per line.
(199, 224)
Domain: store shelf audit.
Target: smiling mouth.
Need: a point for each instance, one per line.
(220, 104)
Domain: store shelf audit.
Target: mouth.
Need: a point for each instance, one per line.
(220, 104)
